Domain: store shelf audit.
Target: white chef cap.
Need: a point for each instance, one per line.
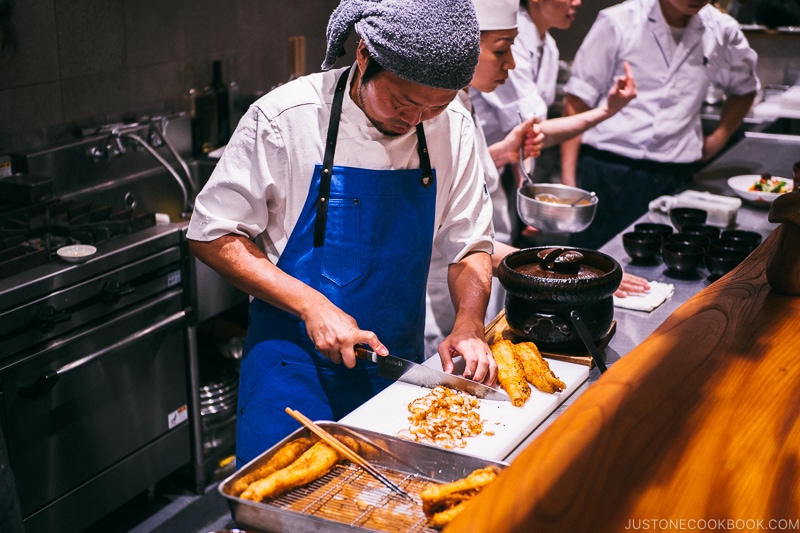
(496, 14)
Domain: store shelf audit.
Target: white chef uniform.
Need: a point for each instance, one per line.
(530, 87)
(663, 122)
(261, 182)
(440, 316)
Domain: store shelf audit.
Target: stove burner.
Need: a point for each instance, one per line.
(30, 236)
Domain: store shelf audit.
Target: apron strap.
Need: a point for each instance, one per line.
(424, 157)
(330, 148)
(327, 160)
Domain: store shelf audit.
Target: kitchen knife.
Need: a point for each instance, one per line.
(399, 369)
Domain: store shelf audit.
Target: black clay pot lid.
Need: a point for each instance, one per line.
(560, 263)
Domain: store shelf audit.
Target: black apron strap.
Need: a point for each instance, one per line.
(424, 157)
(330, 148)
(327, 160)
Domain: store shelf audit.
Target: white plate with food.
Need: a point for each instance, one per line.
(76, 253)
(759, 188)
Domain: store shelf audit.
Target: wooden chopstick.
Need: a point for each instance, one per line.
(346, 452)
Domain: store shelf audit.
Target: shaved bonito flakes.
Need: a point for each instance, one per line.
(443, 417)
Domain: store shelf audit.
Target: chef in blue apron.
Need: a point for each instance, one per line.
(327, 203)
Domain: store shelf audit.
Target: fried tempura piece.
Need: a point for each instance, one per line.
(441, 519)
(510, 372)
(439, 497)
(312, 465)
(537, 370)
(282, 458)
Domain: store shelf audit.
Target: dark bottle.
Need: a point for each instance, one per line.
(203, 114)
(221, 99)
(796, 176)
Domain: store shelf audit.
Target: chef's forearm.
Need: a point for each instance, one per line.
(560, 129)
(571, 147)
(246, 267)
(470, 283)
(732, 114)
(501, 250)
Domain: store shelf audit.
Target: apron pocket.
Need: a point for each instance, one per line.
(341, 261)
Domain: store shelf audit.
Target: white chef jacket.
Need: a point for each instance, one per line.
(440, 314)
(530, 87)
(260, 184)
(663, 122)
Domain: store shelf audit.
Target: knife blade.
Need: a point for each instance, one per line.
(399, 369)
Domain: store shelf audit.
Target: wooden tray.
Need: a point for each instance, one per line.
(500, 325)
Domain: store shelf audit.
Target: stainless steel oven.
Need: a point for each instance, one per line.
(96, 388)
(98, 361)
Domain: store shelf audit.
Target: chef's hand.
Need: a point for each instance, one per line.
(623, 91)
(631, 285)
(479, 363)
(527, 136)
(335, 334)
(534, 138)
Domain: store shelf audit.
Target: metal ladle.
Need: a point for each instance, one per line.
(526, 175)
(587, 196)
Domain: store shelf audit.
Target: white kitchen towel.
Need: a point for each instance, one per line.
(647, 301)
(722, 210)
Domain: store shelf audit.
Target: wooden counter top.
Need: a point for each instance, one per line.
(700, 422)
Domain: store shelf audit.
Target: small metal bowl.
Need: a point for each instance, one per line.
(556, 217)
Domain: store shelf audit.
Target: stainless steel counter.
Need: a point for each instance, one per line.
(635, 326)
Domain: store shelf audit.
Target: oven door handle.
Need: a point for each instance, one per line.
(45, 382)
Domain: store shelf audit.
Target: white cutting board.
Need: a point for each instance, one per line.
(387, 412)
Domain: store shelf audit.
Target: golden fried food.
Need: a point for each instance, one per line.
(537, 370)
(310, 466)
(438, 496)
(441, 519)
(443, 417)
(510, 372)
(285, 456)
(442, 502)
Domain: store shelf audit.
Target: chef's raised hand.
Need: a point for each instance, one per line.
(623, 90)
(335, 334)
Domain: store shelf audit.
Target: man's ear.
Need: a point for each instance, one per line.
(362, 56)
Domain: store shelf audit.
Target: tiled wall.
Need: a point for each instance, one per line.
(87, 62)
(81, 63)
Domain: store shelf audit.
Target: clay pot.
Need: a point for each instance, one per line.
(545, 284)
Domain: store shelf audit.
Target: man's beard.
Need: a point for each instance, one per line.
(363, 106)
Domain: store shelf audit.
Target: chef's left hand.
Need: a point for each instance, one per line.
(479, 363)
(631, 285)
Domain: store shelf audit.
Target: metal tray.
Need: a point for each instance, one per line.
(349, 498)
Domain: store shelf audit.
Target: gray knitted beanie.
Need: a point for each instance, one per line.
(430, 42)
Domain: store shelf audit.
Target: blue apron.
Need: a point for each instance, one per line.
(364, 240)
